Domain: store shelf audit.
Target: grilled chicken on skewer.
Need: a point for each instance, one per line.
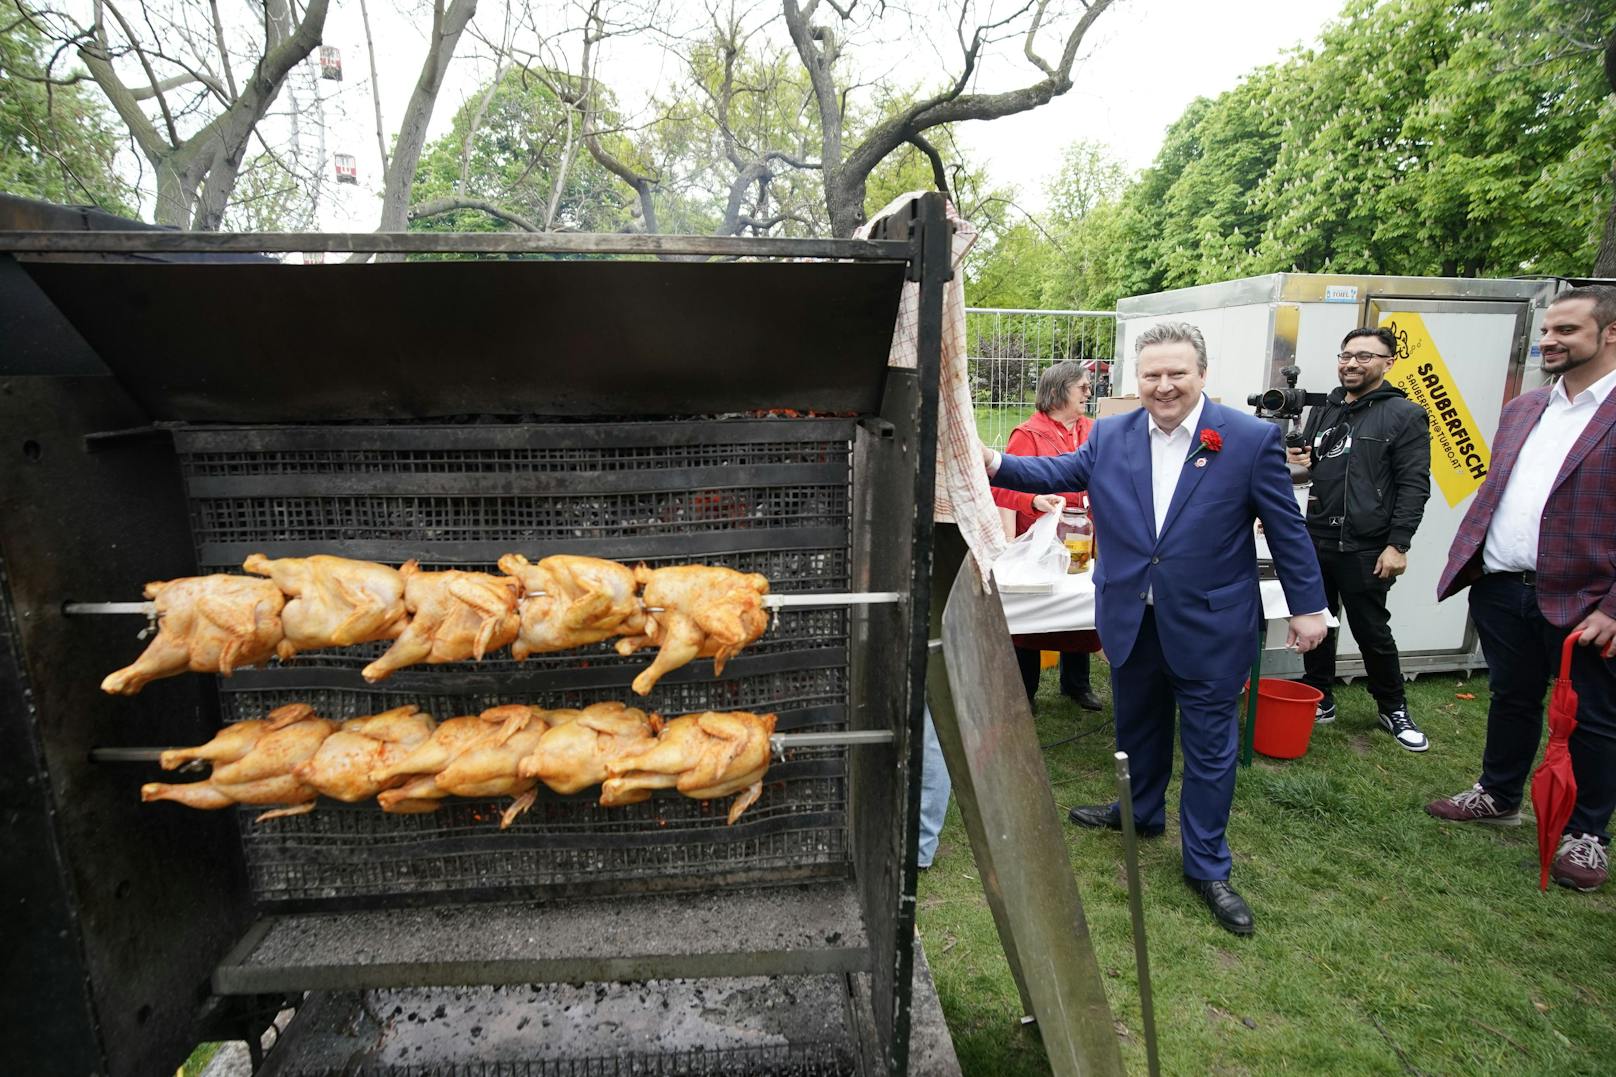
(333, 601)
(264, 774)
(574, 754)
(341, 768)
(572, 602)
(453, 616)
(207, 624)
(702, 611)
(702, 756)
(489, 767)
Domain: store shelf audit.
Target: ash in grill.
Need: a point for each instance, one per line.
(781, 944)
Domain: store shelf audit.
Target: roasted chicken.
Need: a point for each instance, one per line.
(262, 774)
(489, 766)
(572, 601)
(696, 611)
(703, 756)
(453, 616)
(420, 791)
(342, 767)
(207, 624)
(573, 755)
(332, 601)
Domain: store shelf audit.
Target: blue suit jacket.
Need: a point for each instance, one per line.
(1203, 565)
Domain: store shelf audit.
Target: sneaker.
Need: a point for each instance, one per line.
(1403, 730)
(1324, 714)
(1582, 863)
(1474, 805)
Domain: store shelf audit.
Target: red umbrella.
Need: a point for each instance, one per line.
(1554, 786)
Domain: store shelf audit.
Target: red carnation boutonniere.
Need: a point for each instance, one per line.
(1211, 441)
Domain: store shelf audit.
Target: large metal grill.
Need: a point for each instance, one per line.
(173, 420)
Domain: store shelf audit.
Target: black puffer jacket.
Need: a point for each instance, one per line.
(1371, 470)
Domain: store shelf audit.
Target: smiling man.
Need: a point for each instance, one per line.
(1536, 550)
(1369, 450)
(1178, 486)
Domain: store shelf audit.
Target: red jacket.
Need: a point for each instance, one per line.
(1041, 436)
(1575, 571)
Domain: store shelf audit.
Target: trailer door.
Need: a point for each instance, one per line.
(1461, 360)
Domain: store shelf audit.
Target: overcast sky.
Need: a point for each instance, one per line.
(1144, 61)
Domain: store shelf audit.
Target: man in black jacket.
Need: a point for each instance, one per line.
(1369, 450)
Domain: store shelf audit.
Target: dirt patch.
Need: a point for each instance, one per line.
(1360, 744)
(1228, 960)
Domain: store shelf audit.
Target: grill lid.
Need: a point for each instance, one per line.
(278, 343)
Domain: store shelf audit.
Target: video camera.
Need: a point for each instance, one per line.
(1283, 408)
(1277, 405)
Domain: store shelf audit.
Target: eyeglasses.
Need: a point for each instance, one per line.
(1362, 357)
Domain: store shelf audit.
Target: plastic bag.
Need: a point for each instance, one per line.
(1034, 561)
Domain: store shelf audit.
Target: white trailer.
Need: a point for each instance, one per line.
(1465, 347)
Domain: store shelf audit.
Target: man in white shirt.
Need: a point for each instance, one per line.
(1175, 488)
(1537, 549)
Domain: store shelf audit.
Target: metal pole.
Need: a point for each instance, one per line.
(1141, 955)
(1251, 700)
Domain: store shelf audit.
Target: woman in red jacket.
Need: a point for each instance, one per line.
(1059, 426)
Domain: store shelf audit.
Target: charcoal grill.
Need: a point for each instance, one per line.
(168, 413)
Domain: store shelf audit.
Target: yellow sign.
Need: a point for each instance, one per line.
(1459, 453)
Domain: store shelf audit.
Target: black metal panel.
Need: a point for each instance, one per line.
(76, 525)
(895, 472)
(282, 343)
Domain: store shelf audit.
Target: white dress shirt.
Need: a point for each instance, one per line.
(1168, 451)
(1511, 544)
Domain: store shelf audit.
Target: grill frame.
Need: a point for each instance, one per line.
(127, 880)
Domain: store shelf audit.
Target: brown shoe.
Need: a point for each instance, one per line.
(1474, 805)
(1582, 863)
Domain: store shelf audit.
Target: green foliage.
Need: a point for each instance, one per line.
(1430, 137)
(1421, 137)
(521, 146)
(56, 142)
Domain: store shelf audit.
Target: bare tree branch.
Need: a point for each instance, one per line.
(375, 92)
(939, 171)
(439, 206)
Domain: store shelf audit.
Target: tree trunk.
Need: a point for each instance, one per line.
(446, 31)
(1605, 260)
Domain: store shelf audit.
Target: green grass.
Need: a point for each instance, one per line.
(1386, 942)
(994, 423)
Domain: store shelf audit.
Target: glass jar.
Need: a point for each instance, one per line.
(1077, 535)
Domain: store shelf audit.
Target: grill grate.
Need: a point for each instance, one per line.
(769, 496)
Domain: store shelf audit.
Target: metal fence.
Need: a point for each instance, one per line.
(1006, 350)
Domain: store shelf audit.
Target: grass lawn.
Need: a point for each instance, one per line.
(1386, 942)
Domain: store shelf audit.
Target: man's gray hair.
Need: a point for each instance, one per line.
(1173, 333)
(1055, 384)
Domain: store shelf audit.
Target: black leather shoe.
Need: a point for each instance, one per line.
(1228, 908)
(1108, 817)
(1087, 700)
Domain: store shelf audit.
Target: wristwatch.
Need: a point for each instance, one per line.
(1400, 547)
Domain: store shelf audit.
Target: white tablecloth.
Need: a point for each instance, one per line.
(1071, 605)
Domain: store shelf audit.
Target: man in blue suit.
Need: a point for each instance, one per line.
(1175, 488)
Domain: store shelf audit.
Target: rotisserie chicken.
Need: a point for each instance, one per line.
(207, 624)
(333, 601)
(702, 756)
(420, 791)
(264, 774)
(573, 755)
(488, 767)
(572, 602)
(341, 768)
(697, 611)
(453, 616)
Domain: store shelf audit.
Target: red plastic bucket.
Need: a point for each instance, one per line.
(1285, 712)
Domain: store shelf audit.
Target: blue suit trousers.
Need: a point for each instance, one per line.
(1146, 691)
